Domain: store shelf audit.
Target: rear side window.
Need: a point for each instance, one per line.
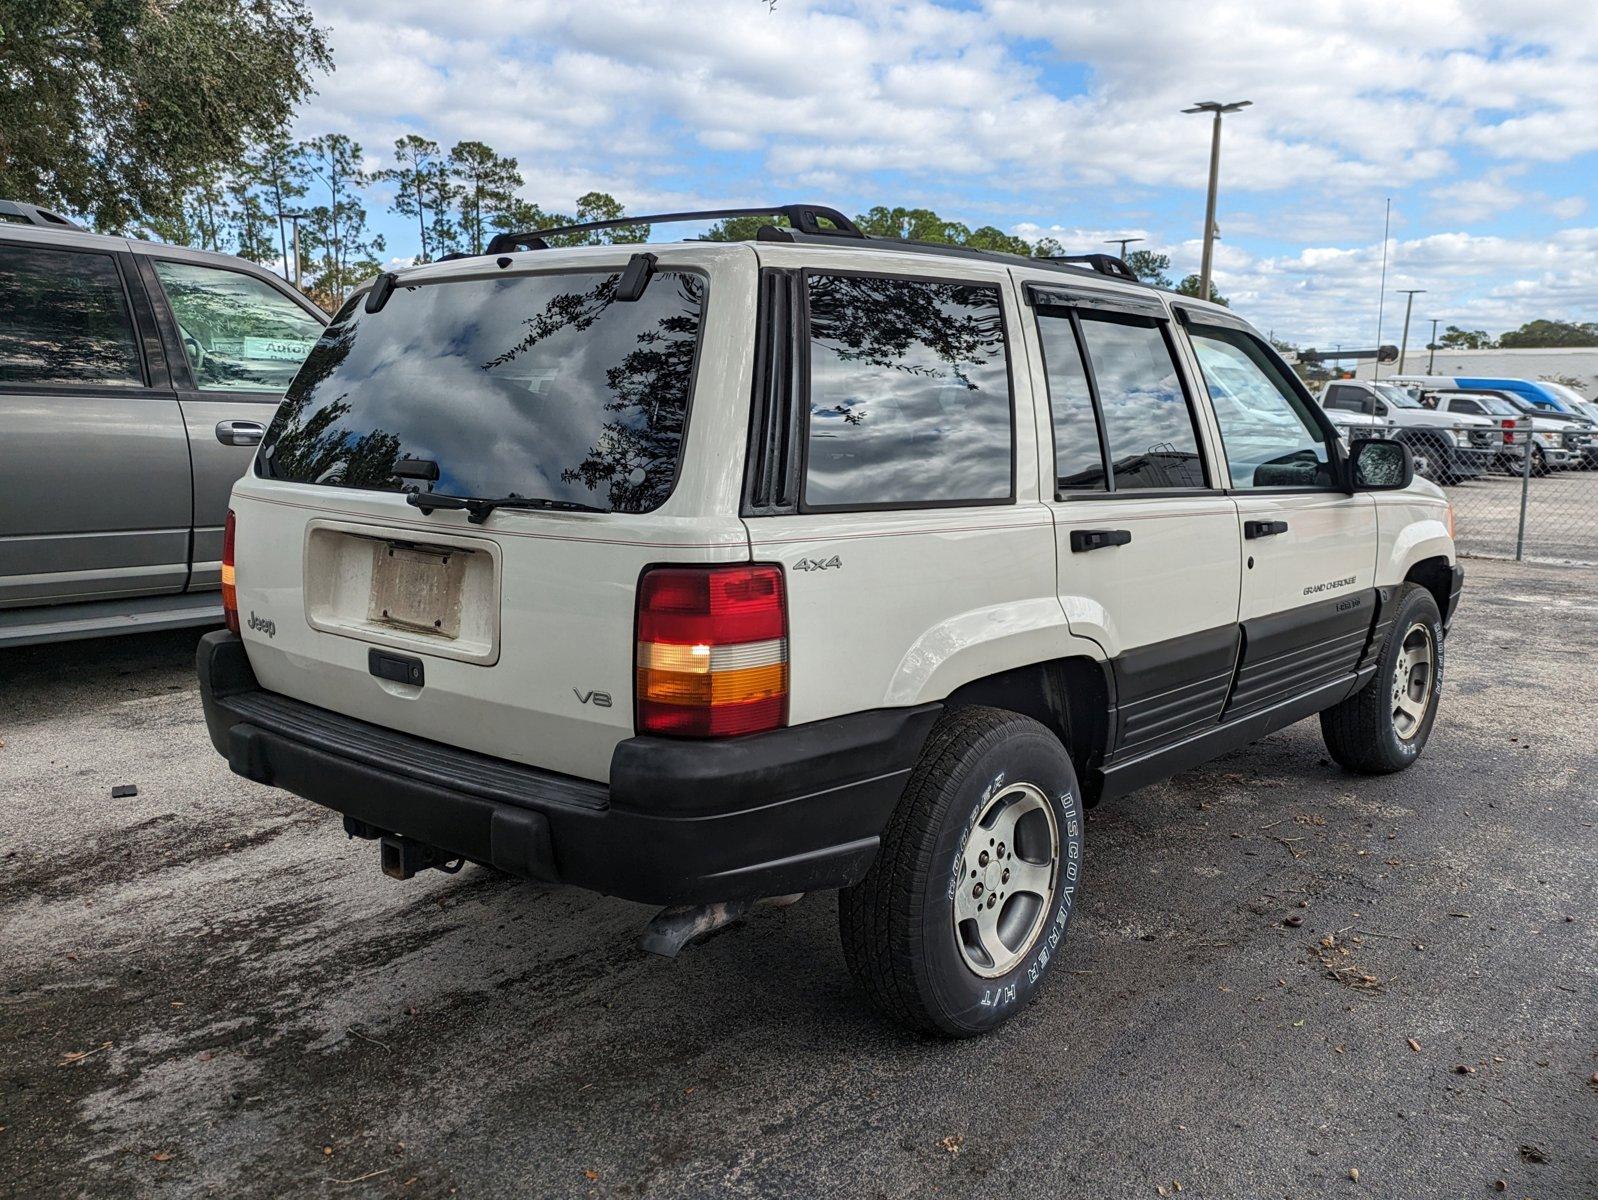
(909, 394)
(1148, 425)
(1078, 462)
(64, 319)
(534, 386)
(239, 333)
(1348, 399)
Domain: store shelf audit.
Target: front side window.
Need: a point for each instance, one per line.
(1148, 425)
(909, 394)
(239, 333)
(64, 319)
(540, 387)
(1271, 439)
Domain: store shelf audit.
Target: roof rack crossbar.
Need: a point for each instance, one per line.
(804, 217)
(1104, 264)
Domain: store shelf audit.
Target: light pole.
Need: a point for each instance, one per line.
(1409, 304)
(1431, 346)
(1218, 109)
(294, 217)
(1121, 242)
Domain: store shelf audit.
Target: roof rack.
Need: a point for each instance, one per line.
(804, 221)
(1104, 264)
(32, 214)
(803, 217)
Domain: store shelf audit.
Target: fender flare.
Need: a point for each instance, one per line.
(981, 642)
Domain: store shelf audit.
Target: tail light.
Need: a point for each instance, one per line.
(230, 595)
(1509, 431)
(712, 658)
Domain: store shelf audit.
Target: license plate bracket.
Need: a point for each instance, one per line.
(417, 589)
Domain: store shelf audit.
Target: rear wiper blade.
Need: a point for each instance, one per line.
(478, 508)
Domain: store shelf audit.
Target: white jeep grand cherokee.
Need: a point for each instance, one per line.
(728, 571)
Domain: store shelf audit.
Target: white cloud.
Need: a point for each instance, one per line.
(1461, 104)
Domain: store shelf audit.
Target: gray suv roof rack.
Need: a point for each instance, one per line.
(16, 211)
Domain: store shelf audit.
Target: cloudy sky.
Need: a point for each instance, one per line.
(1478, 117)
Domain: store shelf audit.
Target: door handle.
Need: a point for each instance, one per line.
(1083, 540)
(1259, 529)
(240, 433)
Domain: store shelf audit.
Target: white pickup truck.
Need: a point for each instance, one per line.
(1448, 447)
(1557, 440)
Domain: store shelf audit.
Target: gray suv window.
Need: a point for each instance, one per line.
(64, 319)
(240, 333)
(543, 387)
(909, 394)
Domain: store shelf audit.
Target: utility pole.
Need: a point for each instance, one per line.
(1121, 242)
(1431, 360)
(1218, 109)
(1409, 304)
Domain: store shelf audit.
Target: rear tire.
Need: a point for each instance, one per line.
(953, 929)
(1383, 727)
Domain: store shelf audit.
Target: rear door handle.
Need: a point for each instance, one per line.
(240, 433)
(1259, 529)
(1083, 540)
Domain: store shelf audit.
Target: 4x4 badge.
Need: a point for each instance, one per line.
(817, 564)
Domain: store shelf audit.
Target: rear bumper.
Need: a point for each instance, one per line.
(682, 822)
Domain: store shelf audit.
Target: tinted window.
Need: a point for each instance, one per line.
(1147, 423)
(909, 393)
(239, 333)
(539, 386)
(1349, 399)
(64, 319)
(1465, 406)
(1270, 436)
(1078, 462)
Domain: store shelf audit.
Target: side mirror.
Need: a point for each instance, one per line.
(1381, 465)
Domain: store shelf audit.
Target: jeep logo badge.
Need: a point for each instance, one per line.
(263, 624)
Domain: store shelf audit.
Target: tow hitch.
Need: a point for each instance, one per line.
(402, 857)
(673, 928)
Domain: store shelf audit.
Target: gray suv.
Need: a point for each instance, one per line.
(135, 381)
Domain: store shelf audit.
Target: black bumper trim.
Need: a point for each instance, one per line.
(1455, 586)
(794, 810)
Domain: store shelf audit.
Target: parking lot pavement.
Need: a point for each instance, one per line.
(206, 988)
(1561, 517)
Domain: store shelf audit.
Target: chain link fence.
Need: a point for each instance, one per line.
(1536, 507)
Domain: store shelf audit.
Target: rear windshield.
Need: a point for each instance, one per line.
(535, 386)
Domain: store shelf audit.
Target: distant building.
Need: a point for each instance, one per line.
(1577, 366)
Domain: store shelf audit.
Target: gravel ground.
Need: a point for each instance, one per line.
(206, 988)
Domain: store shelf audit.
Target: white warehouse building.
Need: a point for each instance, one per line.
(1577, 365)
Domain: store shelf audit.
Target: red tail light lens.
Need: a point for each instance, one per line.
(230, 595)
(1509, 431)
(712, 656)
